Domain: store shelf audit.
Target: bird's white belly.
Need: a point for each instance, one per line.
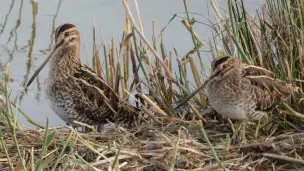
(59, 111)
(227, 106)
(230, 110)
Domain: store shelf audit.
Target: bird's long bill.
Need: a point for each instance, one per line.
(211, 78)
(55, 50)
(192, 94)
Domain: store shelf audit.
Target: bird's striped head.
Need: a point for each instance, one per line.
(67, 40)
(221, 66)
(66, 35)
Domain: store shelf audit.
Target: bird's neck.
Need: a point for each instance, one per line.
(65, 62)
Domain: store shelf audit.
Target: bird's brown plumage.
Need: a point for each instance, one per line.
(267, 89)
(97, 92)
(75, 91)
(242, 91)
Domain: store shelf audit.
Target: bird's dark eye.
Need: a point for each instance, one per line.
(225, 66)
(66, 34)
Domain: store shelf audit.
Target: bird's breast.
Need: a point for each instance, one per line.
(58, 94)
(230, 99)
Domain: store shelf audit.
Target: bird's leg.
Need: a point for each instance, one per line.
(231, 125)
(264, 120)
(236, 131)
(257, 128)
(242, 133)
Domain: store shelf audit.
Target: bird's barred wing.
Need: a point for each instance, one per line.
(88, 75)
(98, 93)
(91, 101)
(268, 92)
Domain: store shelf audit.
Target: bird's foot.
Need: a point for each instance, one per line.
(238, 133)
(242, 135)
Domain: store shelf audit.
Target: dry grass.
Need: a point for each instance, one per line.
(173, 146)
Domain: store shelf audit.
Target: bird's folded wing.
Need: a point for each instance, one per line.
(268, 92)
(94, 91)
(99, 93)
(87, 74)
(89, 101)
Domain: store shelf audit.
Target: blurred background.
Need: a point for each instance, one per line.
(27, 29)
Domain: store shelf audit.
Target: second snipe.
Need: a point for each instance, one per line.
(241, 91)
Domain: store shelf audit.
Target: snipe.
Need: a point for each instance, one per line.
(76, 92)
(240, 91)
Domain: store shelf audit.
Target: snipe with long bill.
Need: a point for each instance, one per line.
(76, 92)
